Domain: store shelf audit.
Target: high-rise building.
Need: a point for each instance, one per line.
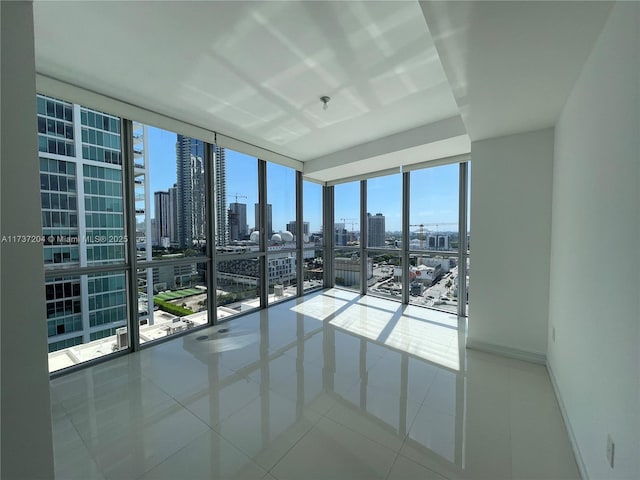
(238, 221)
(220, 191)
(191, 187)
(375, 230)
(162, 219)
(173, 215)
(269, 229)
(291, 227)
(81, 189)
(191, 214)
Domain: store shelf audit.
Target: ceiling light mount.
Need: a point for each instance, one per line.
(325, 100)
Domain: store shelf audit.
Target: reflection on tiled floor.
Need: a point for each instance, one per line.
(332, 386)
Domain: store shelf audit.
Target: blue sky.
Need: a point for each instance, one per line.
(433, 200)
(433, 192)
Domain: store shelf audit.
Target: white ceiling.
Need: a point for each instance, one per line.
(512, 65)
(255, 70)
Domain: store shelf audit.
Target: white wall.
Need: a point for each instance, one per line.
(26, 419)
(511, 181)
(595, 253)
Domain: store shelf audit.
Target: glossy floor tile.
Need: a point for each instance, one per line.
(332, 386)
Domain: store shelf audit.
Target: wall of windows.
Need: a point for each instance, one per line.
(148, 233)
(418, 256)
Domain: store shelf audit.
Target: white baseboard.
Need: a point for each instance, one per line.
(572, 438)
(540, 360)
(508, 352)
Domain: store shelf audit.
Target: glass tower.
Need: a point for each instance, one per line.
(191, 192)
(81, 188)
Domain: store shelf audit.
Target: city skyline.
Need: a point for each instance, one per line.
(434, 192)
(170, 190)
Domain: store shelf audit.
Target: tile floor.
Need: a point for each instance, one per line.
(332, 386)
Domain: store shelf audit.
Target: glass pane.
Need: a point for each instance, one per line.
(433, 214)
(86, 318)
(104, 206)
(238, 286)
(347, 214)
(171, 299)
(313, 268)
(282, 276)
(237, 187)
(313, 236)
(347, 269)
(387, 274)
(281, 206)
(83, 225)
(346, 232)
(55, 126)
(384, 216)
(433, 281)
(169, 194)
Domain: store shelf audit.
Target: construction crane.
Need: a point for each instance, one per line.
(236, 231)
(352, 221)
(237, 196)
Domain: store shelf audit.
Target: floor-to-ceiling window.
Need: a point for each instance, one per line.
(313, 241)
(169, 183)
(384, 235)
(282, 237)
(239, 235)
(148, 233)
(429, 239)
(83, 230)
(346, 236)
(434, 236)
